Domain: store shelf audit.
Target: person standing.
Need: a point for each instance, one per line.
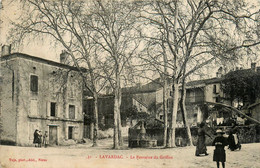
(201, 145)
(219, 153)
(35, 137)
(233, 140)
(39, 139)
(45, 139)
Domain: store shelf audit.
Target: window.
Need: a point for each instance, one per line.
(70, 132)
(71, 112)
(34, 83)
(215, 89)
(71, 92)
(34, 108)
(161, 117)
(53, 109)
(218, 99)
(191, 96)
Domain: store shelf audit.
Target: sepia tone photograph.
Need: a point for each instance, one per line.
(129, 83)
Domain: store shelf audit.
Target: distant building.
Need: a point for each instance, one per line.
(39, 94)
(148, 98)
(254, 110)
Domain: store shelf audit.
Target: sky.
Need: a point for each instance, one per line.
(43, 49)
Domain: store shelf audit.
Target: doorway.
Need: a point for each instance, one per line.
(53, 138)
(70, 136)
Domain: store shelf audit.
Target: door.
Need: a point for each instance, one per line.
(53, 138)
(70, 136)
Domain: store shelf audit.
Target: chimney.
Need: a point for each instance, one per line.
(6, 50)
(64, 57)
(253, 66)
(220, 72)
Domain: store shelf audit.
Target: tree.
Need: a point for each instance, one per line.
(115, 25)
(243, 85)
(196, 33)
(154, 59)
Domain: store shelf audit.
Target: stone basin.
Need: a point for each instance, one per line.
(142, 143)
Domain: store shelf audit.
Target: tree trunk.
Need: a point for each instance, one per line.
(95, 119)
(117, 120)
(184, 113)
(116, 109)
(171, 137)
(165, 111)
(120, 138)
(91, 130)
(165, 95)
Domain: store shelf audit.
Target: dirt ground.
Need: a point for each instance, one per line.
(83, 155)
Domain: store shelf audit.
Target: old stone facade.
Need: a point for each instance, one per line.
(149, 98)
(39, 94)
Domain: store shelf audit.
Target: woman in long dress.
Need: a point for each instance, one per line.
(39, 139)
(201, 146)
(35, 137)
(233, 140)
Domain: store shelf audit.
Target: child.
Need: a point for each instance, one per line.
(45, 139)
(219, 153)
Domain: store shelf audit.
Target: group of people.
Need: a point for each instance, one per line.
(219, 142)
(39, 139)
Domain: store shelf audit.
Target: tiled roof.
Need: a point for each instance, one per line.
(204, 81)
(149, 87)
(29, 57)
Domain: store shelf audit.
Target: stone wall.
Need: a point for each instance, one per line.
(247, 134)
(8, 99)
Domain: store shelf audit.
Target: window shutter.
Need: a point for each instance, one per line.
(57, 110)
(76, 112)
(67, 111)
(34, 83)
(48, 109)
(66, 132)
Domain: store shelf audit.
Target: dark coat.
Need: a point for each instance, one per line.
(35, 137)
(231, 142)
(201, 146)
(219, 153)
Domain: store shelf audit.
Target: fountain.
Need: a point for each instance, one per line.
(142, 140)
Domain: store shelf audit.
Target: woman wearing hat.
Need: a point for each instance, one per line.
(219, 153)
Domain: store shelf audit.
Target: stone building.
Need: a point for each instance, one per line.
(149, 98)
(39, 94)
(197, 93)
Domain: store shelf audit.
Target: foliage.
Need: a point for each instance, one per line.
(133, 113)
(243, 85)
